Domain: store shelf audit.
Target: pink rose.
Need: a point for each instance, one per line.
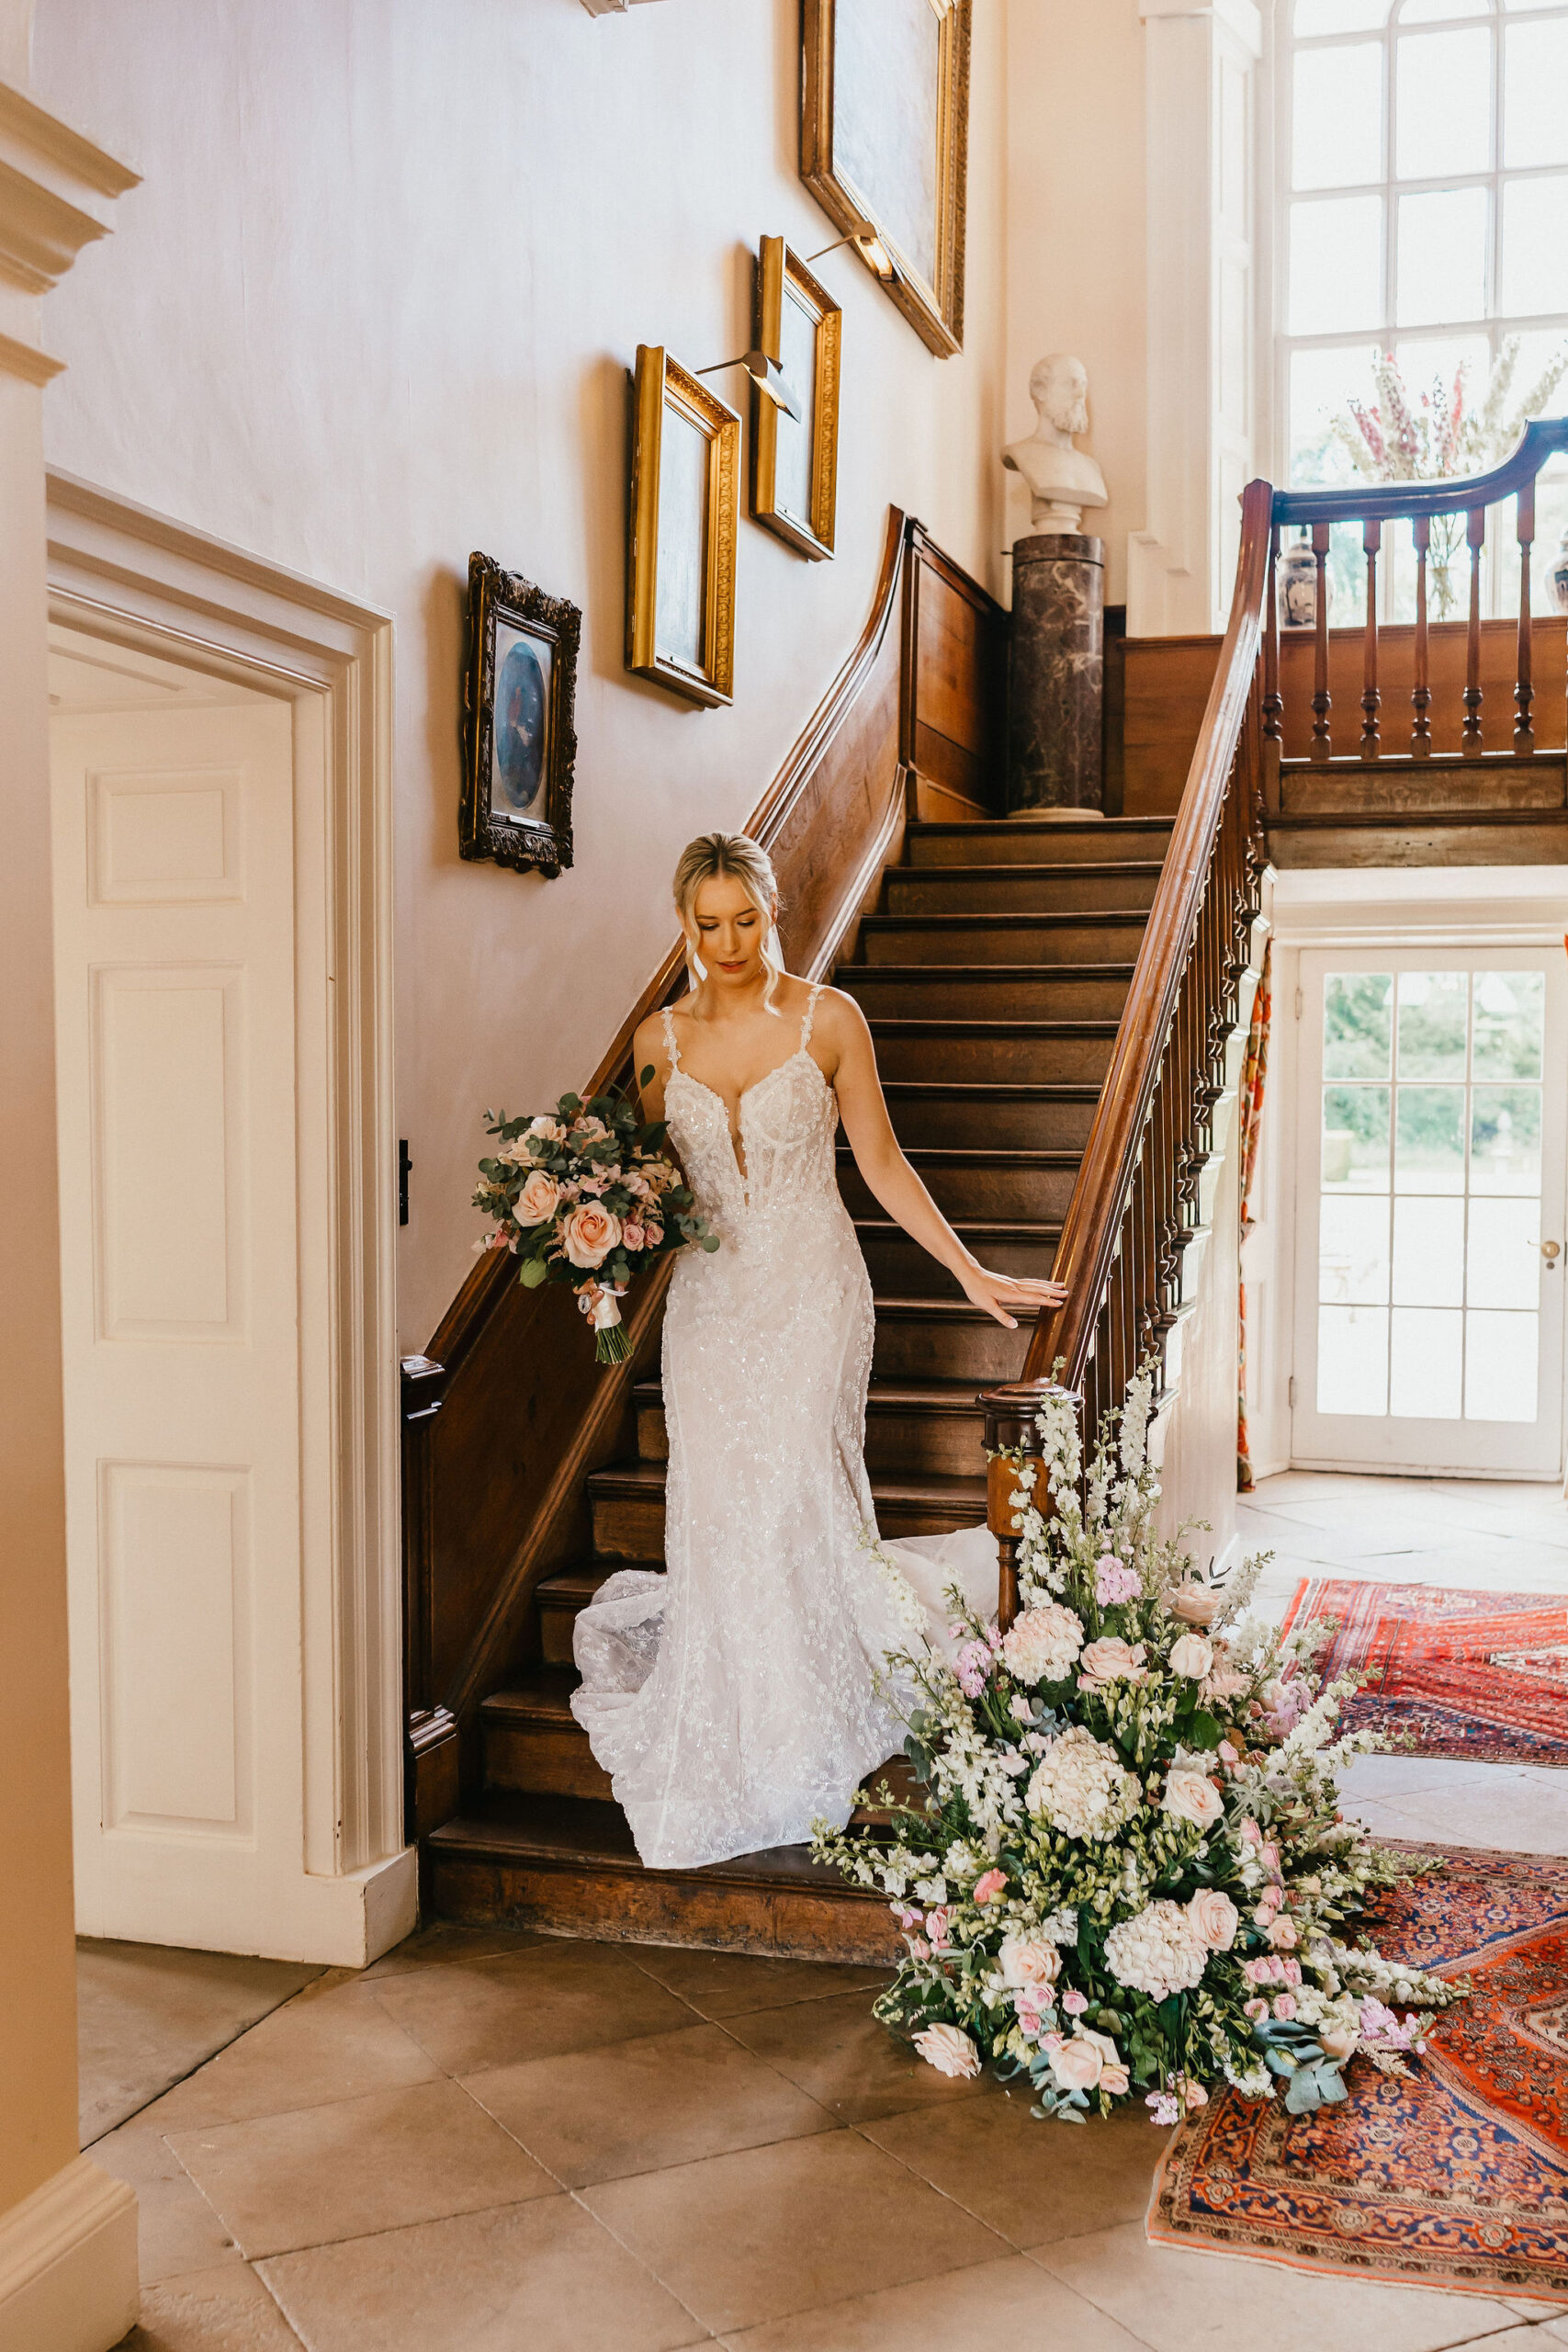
(654, 1231)
(1214, 1919)
(1190, 1657)
(1111, 1659)
(1227, 1754)
(1290, 1970)
(949, 2049)
(1192, 1796)
(988, 1888)
(1029, 1961)
(1195, 2096)
(1285, 2006)
(918, 1948)
(590, 1234)
(1256, 2007)
(1259, 1972)
(634, 1235)
(936, 1929)
(537, 1200)
(1250, 1832)
(1282, 1935)
(1268, 1855)
(1075, 2003)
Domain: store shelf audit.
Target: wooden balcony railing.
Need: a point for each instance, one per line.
(1135, 1204)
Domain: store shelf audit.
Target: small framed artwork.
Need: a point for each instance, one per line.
(684, 512)
(519, 738)
(795, 463)
(883, 145)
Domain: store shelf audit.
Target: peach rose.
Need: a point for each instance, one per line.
(1029, 1960)
(988, 1888)
(1191, 1656)
(1339, 2041)
(550, 1129)
(538, 1200)
(949, 2049)
(1113, 2075)
(1089, 2061)
(1214, 1919)
(1111, 1659)
(590, 1234)
(1282, 1936)
(1192, 1796)
(1195, 1604)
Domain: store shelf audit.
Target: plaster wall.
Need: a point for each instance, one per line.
(373, 307)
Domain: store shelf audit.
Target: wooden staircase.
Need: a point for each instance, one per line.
(992, 973)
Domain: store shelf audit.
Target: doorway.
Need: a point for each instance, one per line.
(1429, 1188)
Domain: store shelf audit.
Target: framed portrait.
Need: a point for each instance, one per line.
(883, 139)
(685, 515)
(519, 739)
(795, 464)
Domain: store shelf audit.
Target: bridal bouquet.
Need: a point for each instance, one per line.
(1131, 1878)
(585, 1195)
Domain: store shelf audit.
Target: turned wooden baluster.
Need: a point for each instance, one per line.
(1524, 689)
(1421, 699)
(1371, 540)
(1475, 533)
(1321, 704)
(1273, 700)
(1010, 1423)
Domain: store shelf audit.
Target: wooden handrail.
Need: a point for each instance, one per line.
(1387, 501)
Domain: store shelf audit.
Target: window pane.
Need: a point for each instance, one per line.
(1443, 117)
(1352, 1250)
(1535, 245)
(1339, 16)
(1321, 383)
(1502, 1352)
(1352, 1359)
(1510, 1024)
(1442, 255)
(1535, 78)
(1505, 1139)
(1355, 1139)
(1503, 1266)
(1433, 1009)
(1429, 1154)
(1337, 124)
(1429, 1252)
(1356, 1030)
(1440, 12)
(1425, 1363)
(1336, 264)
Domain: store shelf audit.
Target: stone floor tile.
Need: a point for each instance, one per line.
(839, 2053)
(991, 2305)
(665, 2099)
(146, 2014)
(728, 1984)
(1521, 1819)
(285, 2181)
(305, 2055)
(1177, 2300)
(443, 1941)
(1394, 1779)
(751, 2237)
(225, 2310)
(178, 2230)
(1030, 2180)
(538, 2278)
(555, 1997)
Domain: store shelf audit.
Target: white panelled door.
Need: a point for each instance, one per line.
(174, 867)
(1431, 1270)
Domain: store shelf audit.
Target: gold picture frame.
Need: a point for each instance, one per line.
(685, 517)
(883, 145)
(795, 463)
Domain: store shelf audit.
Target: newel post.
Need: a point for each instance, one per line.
(1011, 1430)
(429, 1733)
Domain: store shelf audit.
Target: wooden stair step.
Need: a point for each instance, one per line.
(570, 1864)
(1000, 939)
(1034, 1186)
(1094, 840)
(1015, 887)
(979, 1052)
(533, 1742)
(922, 1424)
(899, 1266)
(921, 1338)
(627, 1503)
(986, 1113)
(999, 991)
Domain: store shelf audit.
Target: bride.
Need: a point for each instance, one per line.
(737, 1699)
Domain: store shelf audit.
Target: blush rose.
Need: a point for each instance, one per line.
(590, 1234)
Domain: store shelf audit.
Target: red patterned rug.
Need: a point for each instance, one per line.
(1483, 1675)
(1455, 2177)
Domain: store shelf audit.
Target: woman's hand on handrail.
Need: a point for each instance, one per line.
(997, 1293)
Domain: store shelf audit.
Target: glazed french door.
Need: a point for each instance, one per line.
(1430, 1269)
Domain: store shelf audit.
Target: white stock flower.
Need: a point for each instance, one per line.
(1156, 1951)
(1082, 1787)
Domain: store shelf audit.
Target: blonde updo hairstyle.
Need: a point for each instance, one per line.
(735, 857)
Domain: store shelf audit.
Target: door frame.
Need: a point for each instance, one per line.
(128, 576)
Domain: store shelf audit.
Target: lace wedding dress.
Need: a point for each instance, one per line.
(732, 1699)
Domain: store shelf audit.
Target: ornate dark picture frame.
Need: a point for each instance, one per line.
(794, 464)
(519, 735)
(861, 92)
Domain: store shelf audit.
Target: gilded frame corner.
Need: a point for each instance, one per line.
(934, 309)
(781, 275)
(543, 842)
(657, 384)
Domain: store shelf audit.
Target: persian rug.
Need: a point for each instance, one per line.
(1481, 1675)
(1455, 2177)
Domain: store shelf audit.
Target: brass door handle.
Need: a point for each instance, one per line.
(1551, 1251)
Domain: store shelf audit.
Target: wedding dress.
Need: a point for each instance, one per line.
(739, 1698)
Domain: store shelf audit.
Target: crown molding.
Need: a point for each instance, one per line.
(1242, 17)
(57, 190)
(611, 7)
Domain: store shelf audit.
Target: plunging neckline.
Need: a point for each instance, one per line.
(801, 1053)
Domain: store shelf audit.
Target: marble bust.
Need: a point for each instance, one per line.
(1062, 480)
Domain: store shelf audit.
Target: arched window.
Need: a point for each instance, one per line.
(1423, 212)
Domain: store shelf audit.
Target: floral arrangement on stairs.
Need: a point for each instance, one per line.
(1131, 1878)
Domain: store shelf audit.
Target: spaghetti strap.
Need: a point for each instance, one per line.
(810, 1015)
(670, 1048)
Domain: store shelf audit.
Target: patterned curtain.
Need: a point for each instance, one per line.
(1254, 1071)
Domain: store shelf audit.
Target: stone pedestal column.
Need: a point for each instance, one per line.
(1056, 684)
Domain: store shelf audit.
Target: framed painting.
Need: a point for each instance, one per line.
(794, 462)
(519, 736)
(883, 140)
(684, 515)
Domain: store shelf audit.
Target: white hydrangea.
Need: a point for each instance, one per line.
(1082, 1787)
(1155, 1952)
(1040, 1646)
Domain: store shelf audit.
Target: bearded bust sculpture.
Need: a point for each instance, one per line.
(1062, 480)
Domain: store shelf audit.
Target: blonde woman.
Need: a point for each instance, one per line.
(737, 1699)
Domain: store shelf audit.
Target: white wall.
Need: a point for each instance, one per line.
(372, 308)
